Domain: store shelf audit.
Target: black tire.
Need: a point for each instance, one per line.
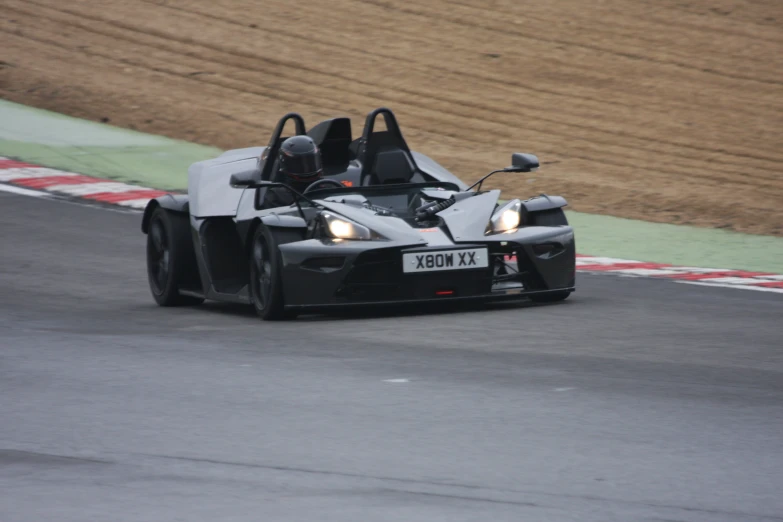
(170, 259)
(266, 282)
(551, 298)
(550, 218)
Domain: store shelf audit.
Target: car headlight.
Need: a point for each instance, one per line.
(508, 217)
(342, 228)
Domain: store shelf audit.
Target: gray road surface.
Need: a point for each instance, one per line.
(635, 400)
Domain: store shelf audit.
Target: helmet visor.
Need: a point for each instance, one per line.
(302, 165)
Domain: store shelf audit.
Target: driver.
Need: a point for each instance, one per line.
(299, 165)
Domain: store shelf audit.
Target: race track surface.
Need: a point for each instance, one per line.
(635, 400)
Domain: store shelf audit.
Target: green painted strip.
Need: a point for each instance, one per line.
(677, 245)
(96, 149)
(102, 150)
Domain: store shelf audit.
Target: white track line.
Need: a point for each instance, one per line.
(140, 204)
(86, 189)
(740, 287)
(31, 172)
(23, 191)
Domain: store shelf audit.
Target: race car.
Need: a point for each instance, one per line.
(385, 225)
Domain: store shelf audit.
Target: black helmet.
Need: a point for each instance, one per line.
(300, 159)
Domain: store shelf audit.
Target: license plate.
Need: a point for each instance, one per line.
(445, 260)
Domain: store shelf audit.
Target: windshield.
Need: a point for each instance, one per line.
(398, 199)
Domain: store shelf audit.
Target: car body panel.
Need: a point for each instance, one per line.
(310, 288)
(467, 219)
(173, 202)
(208, 185)
(435, 170)
(544, 202)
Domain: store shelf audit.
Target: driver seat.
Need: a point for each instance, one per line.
(391, 166)
(384, 155)
(333, 137)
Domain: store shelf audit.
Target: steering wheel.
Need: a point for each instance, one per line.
(313, 186)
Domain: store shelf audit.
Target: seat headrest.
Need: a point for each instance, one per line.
(392, 166)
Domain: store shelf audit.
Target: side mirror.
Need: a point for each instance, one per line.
(521, 162)
(244, 179)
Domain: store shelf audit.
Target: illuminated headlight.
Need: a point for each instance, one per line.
(507, 217)
(341, 228)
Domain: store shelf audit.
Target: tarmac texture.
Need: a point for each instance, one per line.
(635, 399)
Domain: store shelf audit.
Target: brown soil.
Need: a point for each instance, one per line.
(663, 110)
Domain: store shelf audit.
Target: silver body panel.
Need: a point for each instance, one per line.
(209, 190)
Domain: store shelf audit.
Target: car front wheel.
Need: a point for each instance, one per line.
(266, 284)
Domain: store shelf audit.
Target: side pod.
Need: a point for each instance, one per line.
(174, 202)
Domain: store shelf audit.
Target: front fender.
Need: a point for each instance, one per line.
(173, 202)
(283, 221)
(247, 228)
(544, 202)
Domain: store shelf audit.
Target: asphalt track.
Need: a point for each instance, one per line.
(635, 400)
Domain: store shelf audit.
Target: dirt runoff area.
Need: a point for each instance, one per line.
(661, 110)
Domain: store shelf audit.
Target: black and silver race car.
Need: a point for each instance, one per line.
(385, 225)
